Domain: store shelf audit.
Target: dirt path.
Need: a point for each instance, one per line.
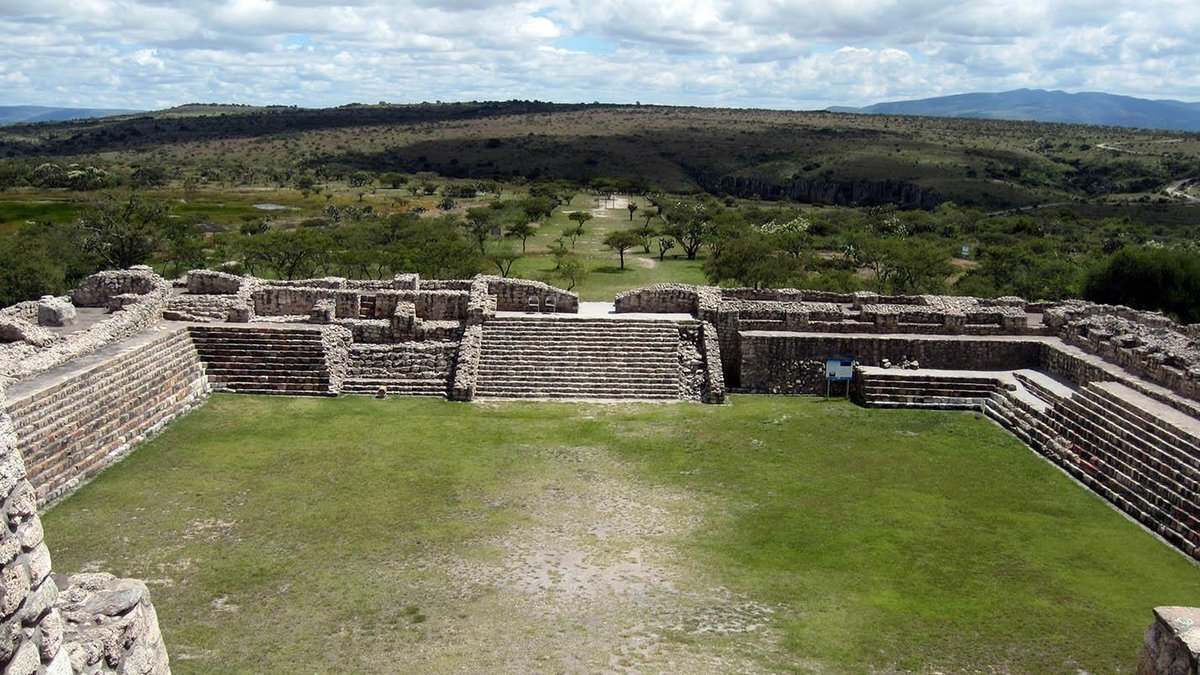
(591, 581)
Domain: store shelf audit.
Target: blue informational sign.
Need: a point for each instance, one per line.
(839, 370)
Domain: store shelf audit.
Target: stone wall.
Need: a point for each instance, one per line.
(98, 289)
(276, 300)
(31, 628)
(436, 305)
(1146, 344)
(714, 379)
(1172, 644)
(19, 361)
(76, 421)
(92, 624)
(794, 363)
(208, 282)
(659, 299)
(512, 295)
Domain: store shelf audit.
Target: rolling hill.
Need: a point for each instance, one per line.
(1039, 105)
(28, 114)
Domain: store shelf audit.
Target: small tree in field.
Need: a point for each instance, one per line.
(521, 230)
(621, 241)
(580, 217)
(570, 270)
(665, 243)
(503, 257)
(632, 207)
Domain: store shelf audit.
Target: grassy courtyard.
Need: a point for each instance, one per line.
(774, 534)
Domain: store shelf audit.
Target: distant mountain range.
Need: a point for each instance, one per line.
(1049, 106)
(24, 114)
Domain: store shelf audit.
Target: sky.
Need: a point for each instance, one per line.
(788, 54)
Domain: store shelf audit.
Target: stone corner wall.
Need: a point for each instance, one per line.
(1146, 344)
(39, 620)
(139, 296)
(1172, 644)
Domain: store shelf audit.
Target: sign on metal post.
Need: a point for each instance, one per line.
(838, 370)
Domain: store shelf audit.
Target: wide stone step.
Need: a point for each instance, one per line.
(263, 369)
(929, 390)
(260, 352)
(256, 335)
(276, 391)
(535, 367)
(574, 393)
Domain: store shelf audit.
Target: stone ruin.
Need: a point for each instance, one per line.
(1107, 393)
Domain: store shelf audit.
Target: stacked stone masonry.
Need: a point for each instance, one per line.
(56, 626)
(75, 421)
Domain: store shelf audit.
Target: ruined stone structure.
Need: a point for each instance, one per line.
(1110, 395)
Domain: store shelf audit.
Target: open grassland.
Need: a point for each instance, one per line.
(773, 534)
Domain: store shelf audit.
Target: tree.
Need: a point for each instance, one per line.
(688, 223)
(751, 261)
(665, 243)
(305, 184)
(503, 258)
(573, 232)
(580, 217)
(1151, 278)
(537, 208)
(124, 231)
(393, 179)
(570, 269)
(521, 230)
(481, 222)
(621, 241)
(645, 234)
(632, 207)
(292, 255)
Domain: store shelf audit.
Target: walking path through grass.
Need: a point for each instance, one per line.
(774, 534)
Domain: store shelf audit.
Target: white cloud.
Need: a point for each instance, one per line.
(773, 53)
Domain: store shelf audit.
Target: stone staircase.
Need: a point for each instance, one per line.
(897, 388)
(578, 358)
(1138, 453)
(263, 360)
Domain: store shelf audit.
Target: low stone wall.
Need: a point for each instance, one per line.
(31, 628)
(98, 289)
(794, 363)
(275, 300)
(208, 282)
(444, 285)
(110, 626)
(659, 299)
(1146, 344)
(714, 379)
(435, 305)
(512, 295)
(466, 364)
(21, 361)
(403, 364)
(77, 421)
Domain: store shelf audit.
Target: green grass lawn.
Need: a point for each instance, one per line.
(357, 535)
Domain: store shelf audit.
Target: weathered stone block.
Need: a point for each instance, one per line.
(54, 311)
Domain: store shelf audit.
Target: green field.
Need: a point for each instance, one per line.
(773, 534)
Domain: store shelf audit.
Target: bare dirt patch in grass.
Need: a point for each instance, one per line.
(595, 581)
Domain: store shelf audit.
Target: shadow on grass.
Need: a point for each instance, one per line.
(610, 269)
